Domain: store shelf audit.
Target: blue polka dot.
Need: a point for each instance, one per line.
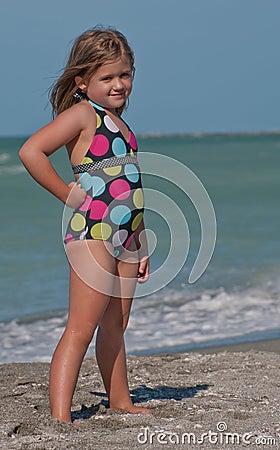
(96, 183)
(119, 147)
(120, 214)
(131, 172)
(86, 181)
(98, 186)
(116, 252)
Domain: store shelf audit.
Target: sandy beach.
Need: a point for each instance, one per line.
(225, 397)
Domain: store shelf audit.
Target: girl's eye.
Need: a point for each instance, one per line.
(123, 75)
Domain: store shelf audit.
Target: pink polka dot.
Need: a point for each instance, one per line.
(98, 210)
(99, 145)
(86, 205)
(132, 141)
(68, 238)
(119, 189)
(129, 240)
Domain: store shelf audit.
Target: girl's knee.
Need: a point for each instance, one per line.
(81, 336)
(116, 316)
(115, 326)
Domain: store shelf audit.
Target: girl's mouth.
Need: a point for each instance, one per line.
(121, 95)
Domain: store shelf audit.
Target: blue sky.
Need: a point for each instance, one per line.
(201, 65)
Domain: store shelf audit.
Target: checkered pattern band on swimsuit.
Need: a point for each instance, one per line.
(104, 163)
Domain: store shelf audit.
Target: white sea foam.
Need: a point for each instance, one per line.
(4, 157)
(210, 316)
(33, 341)
(13, 169)
(161, 323)
(7, 164)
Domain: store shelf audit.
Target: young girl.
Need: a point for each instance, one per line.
(106, 253)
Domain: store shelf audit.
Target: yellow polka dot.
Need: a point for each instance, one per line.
(78, 222)
(98, 120)
(86, 160)
(112, 171)
(131, 152)
(136, 221)
(101, 231)
(138, 198)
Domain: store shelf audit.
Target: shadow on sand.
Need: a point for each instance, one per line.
(140, 395)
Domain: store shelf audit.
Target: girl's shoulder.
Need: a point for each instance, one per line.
(81, 113)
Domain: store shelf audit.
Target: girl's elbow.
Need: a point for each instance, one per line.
(24, 153)
(23, 150)
(21, 154)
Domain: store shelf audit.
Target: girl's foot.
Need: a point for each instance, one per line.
(62, 419)
(65, 423)
(132, 409)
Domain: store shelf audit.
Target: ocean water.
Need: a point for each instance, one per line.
(235, 300)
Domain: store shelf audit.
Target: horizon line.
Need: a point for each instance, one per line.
(179, 134)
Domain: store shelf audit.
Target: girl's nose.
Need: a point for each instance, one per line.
(118, 84)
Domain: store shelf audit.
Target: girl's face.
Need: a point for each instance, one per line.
(111, 84)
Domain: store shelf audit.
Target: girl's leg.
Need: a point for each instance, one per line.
(86, 308)
(110, 346)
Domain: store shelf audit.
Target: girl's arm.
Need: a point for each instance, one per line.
(142, 245)
(35, 151)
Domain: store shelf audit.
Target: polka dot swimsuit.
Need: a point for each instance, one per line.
(110, 175)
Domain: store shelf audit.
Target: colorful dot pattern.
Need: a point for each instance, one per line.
(114, 205)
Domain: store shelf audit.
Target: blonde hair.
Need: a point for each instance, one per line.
(90, 51)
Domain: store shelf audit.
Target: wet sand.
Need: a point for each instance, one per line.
(269, 345)
(218, 398)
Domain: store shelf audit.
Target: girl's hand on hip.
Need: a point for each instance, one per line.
(77, 195)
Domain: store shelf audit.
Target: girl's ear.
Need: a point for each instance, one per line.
(80, 83)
